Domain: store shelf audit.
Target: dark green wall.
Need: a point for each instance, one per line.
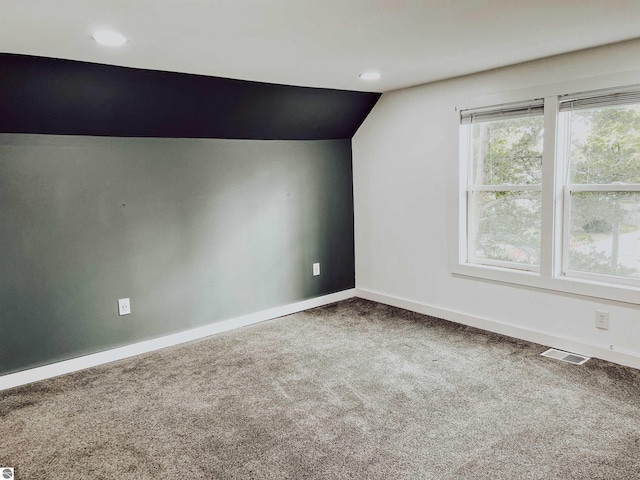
(194, 231)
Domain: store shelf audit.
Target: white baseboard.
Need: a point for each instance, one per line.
(543, 338)
(95, 359)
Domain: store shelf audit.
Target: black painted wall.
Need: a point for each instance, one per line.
(193, 230)
(46, 95)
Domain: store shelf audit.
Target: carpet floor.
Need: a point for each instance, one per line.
(352, 390)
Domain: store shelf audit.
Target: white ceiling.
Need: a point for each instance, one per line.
(321, 43)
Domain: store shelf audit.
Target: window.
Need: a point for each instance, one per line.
(561, 206)
(601, 145)
(504, 186)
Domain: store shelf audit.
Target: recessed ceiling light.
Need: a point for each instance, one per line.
(369, 76)
(109, 38)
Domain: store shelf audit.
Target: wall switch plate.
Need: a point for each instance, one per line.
(316, 269)
(124, 306)
(602, 319)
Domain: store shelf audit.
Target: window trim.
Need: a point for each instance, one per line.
(598, 99)
(550, 277)
(511, 110)
(560, 284)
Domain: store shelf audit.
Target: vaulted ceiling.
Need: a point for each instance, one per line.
(320, 43)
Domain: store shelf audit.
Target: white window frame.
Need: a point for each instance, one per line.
(492, 113)
(552, 275)
(616, 97)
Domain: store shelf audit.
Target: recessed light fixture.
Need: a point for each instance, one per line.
(370, 76)
(109, 38)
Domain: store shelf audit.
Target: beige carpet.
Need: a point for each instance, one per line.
(354, 390)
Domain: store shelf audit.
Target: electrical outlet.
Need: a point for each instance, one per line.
(316, 269)
(602, 319)
(124, 306)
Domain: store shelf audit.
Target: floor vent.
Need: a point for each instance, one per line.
(566, 356)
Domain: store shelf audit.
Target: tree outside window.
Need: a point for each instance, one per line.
(604, 164)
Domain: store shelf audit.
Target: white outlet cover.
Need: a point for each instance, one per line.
(602, 320)
(316, 269)
(124, 306)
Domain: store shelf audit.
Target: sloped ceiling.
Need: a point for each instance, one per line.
(317, 43)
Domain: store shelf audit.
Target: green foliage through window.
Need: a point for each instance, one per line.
(506, 222)
(598, 160)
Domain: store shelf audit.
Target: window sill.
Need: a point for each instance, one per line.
(574, 286)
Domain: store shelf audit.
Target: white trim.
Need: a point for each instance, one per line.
(525, 267)
(95, 359)
(604, 187)
(459, 250)
(560, 212)
(561, 284)
(505, 188)
(547, 200)
(566, 231)
(603, 277)
(530, 335)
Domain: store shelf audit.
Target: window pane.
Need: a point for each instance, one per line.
(605, 233)
(507, 152)
(505, 226)
(605, 144)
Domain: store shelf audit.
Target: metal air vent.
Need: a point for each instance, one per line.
(565, 356)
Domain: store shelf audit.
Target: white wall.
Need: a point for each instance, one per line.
(405, 160)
